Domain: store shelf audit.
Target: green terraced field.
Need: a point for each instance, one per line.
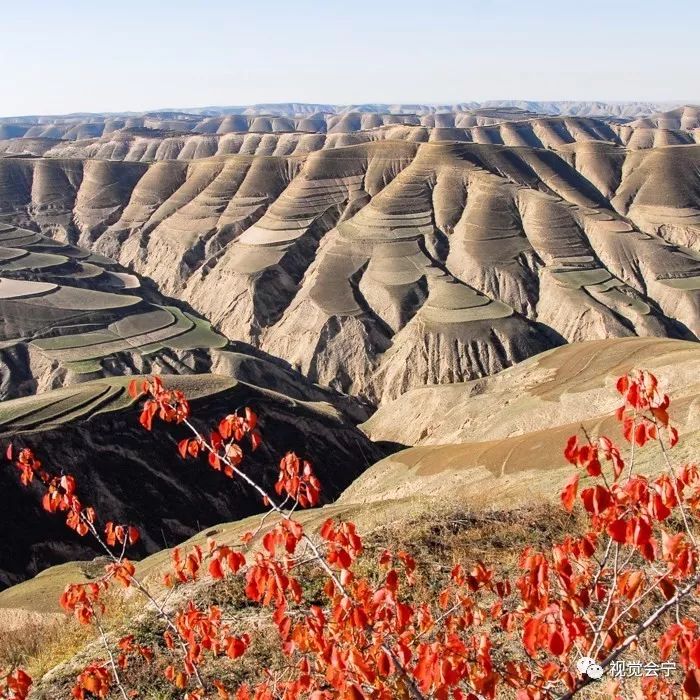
(92, 398)
(89, 316)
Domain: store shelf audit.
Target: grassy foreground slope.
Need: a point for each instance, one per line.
(491, 473)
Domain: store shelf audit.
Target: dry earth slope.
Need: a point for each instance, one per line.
(383, 266)
(499, 441)
(131, 475)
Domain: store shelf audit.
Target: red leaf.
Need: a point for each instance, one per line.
(617, 529)
(68, 484)
(640, 434)
(149, 411)
(641, 533)
(694, 653)
(568, 495)
(596, 500)
(270, 542)
(385, 665)
(661, 415)
(622, 384)
(251, 419)
(134, 535)
(134, 391)
(215, 569)
(691, 683)
(530, 635)
(571, 449)
(556, 643)
(672, 436)
(667, 588)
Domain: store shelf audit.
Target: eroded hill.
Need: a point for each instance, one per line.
(68, 316)
(384, 266)
(498, 442)
(481, 275)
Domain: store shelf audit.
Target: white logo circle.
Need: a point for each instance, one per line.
(583, 663)
(588, 666)
(595, 671)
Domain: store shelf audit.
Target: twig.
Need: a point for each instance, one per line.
(112, 662)
(286, 515)
(670, 603)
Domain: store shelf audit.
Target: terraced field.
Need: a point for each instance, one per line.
(83, 401)
(69, 315)
(378, 267)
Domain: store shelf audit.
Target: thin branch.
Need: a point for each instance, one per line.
(672, 473)
(412, 687)
(112, 662)
(595, 645)
(659, 612)
(145, 592)
(602, 564)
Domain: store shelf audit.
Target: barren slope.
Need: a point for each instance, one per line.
(270, 136)
(283, 130)
(500, 441)
(313, 117)
(562, 386)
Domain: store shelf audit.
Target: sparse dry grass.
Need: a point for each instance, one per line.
(51, 649)
(437, 539)
(25, 646)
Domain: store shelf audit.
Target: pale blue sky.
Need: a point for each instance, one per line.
(81, 55)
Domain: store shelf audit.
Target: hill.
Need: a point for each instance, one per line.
(73, 126)
(498, 442)
(133, 475)
(69, 316)
(478, 274)
(268, 135)
(383, 266)
(566, 385)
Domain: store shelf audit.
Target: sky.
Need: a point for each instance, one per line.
(94, 56)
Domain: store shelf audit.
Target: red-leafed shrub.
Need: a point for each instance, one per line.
(575, 608)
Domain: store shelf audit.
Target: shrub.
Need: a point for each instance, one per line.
(574, 610)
